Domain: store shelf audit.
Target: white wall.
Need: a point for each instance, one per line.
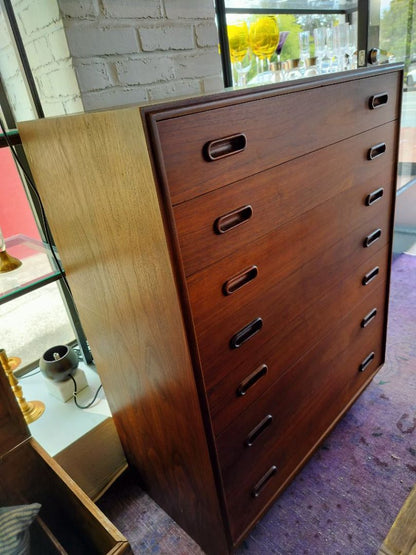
(11, 75)
(43, 36)
(130, 51)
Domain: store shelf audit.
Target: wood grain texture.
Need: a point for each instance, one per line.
(95, 460)
(29, 474)
(277, 128)
(303, 404)
(401, 539)
(95, 179)
(296, 332)
(282, 194)
(147, 272)
(282, 302)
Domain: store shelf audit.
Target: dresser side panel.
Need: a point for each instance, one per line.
(95, 179)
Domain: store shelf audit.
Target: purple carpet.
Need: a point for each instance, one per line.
(346, 498)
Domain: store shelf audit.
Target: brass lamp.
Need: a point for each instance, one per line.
(8, 263)
(31, 410)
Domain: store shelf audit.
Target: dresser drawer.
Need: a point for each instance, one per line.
(285, 258)
(290, 419)
(257, 205)
(227, 140)
(289, 340)
(293, 247)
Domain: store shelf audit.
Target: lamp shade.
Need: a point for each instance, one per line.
(58, 363)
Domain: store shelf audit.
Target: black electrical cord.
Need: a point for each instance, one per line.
(76, 393)
(42, 210)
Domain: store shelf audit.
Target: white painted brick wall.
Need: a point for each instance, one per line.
(93, 76)
(80, 8)
(35, 16)
(167, 37)
(115, 96)
(144, 70)
(177, 9)
(128, 51)
(88, 40)
(43, 36)
(88, 54)
(206, 34)
(132, 9)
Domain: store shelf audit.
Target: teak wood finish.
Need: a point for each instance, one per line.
(401, 539)
(229, 256)
(68, 522)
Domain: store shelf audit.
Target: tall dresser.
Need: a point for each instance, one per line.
(229, 257)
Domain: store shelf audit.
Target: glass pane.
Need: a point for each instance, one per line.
(293, 5)
(398, 41)
(36, 321)
(304, 45)
(33, 323)
(37, 267)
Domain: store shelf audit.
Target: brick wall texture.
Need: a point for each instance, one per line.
(130, 51)
(43, 36)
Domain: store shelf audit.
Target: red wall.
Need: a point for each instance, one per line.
(15, 212)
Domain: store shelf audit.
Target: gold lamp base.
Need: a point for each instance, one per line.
(31, 410)
(34, 411)
(8, 263)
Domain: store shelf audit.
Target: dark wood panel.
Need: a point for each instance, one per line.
(303, 404)
(288, 344)
(282, 194)
(277, 129)
(306, 223)
(293, 393)
(111, 238)
(29, 475)
(310, 264)
(295, 245)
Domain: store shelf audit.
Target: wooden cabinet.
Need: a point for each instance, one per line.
(229, 256)
(68, 521)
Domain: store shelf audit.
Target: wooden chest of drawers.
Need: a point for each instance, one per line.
(229, 256)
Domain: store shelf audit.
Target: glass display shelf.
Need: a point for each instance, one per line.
(13, 138)
(38, 267)
(291, 6)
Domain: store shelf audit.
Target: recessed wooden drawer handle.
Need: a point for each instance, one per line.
(251, 380)
(368, 318)
(372, 274)
(263, 481)
(236, 282)
(233, 219)
(374, 196)
(378, 100)
(246, 333)
(376, 151)
(259, 429)
(366, 362)
(226, 146)
(372, 238)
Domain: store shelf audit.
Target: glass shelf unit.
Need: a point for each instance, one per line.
(348, 8)
(288, 6)
(38, 267)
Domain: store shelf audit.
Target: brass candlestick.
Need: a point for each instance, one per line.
(8, 263)
(31, 410)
